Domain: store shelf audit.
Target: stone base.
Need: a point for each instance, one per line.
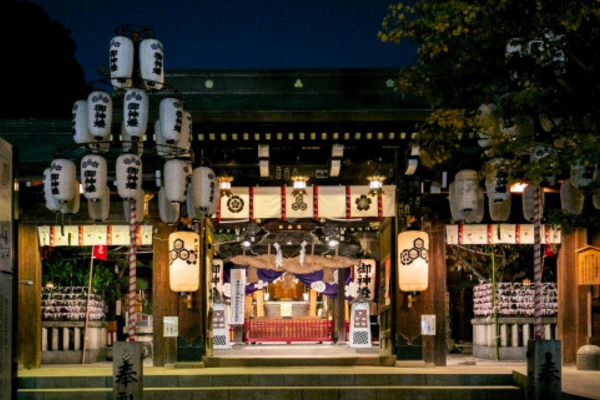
(184, 365)
(506, 353)
(73, 356)
(412, 364)
(588, 358)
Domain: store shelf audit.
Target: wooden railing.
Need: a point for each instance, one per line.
(288, 330)
(62, 342)
(513, 335)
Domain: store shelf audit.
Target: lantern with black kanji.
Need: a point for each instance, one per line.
(93, 176)
(184, 142)
(184, 261)
(121, 61)
(466, 190)
(98, 210)
(51, 203)
(131, 144)
(176, 174)
(529, 201)
(152, 64)
(135, 114)
(79, 121)
(168, 211)
(192, 211)
(496, 180)
(456, 214)
(571, 199)
(63, 180)
(205, 190)
(500, 211)
(171, 119)
(413, 263)
(543, 154)
(582, 175)
(129, 176)
(99, 112)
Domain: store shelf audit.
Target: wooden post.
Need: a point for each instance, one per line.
(340, 308)
(260, 304)
(312, 305)
(29, 325)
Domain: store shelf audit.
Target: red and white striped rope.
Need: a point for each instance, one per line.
(537, 267)
(132, 269)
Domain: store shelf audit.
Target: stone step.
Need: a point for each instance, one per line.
(283, 361)
(287, 393)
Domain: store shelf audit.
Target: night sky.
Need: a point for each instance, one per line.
(237, 34)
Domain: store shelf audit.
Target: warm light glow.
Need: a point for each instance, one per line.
(332, 243)
(376, 184)
(299, 183)
(225, 185)
(413, 262)
(305, 296)
(518, 187)
(184, 266)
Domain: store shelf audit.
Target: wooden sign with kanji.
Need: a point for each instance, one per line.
(588, 266)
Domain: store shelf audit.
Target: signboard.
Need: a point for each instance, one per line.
(238, 295)
(364, 276)
(285, 310)
(220, 327)
(588, 266)
(428, 325)
(170, 326)
(128, 371)
(360, 330)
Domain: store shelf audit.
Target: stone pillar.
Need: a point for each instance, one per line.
(544, 370)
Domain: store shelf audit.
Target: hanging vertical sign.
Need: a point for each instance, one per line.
(364, 277)
(238, 295)
(360, 330)
(220, 327)
(217, 278)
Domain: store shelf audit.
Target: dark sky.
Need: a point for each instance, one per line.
(237, 34)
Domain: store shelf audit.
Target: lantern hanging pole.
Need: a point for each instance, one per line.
(537, 266)
(132, 269)
(87, 308)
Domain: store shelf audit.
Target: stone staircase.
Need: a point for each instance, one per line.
(314, 383)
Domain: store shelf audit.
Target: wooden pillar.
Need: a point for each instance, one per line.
(29, 325)
(572, 298)
(260, 303)
(206, 283)
(340, 307)
(312, 302)
(164, 300)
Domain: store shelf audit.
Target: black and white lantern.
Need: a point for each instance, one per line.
(486, 117)
(79, 120)
(168, 211)
(467, 190)
(129, 176)
(162, 149)
(93, 176)
(476, 215)
(184, 264)
(496, 180)
(98, 210)
(152, 64)
(121, 62)
(457, 215)
(192, 211)
(205, 190)
(500, 210)
(185, 139)
(171, 119)
(99, 115)
(139, 207)
(63, 179)
(51, 203)
(176, 175)
(72, 206)
(529, 201)
(582, 175)
(413, 263)
(571, 199)
(135, 114)
(541, 151)
(128, 144)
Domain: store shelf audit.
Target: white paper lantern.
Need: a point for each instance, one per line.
(121, 61)
(485, 115)
(496, 181)
(539, 152)
(51, 203)
(582, 175)
(152, 64)
(168, 211)
(529, 202)
(413, 263)
(128, 143)
(466, 190)
(192, 211)
(98, 210)
(205, 190)
(99, 115)
(162, 149)
(93, 176)
(72, 206)
(457, 215)
(184, 265)
(176, 174)
(129, 175)
(135, 113)
(79, 120)
(476, 215)
(500, 210)
(571, 199)
(63, 180)
(184, 142)
(171, 119)
(139, 207)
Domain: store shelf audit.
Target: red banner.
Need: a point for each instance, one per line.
(100, 252)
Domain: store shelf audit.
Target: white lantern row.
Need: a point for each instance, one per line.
(184, 266)
(135, 114)
(93, 176)
(205, 188)
(413, 263)
(99, 113)
(63, 180)
(171, 119)
(152, 64)
(176, 175)
(466, 190)
(121, 61)
(151, 57)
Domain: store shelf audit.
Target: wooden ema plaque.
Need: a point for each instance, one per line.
(588, 266)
